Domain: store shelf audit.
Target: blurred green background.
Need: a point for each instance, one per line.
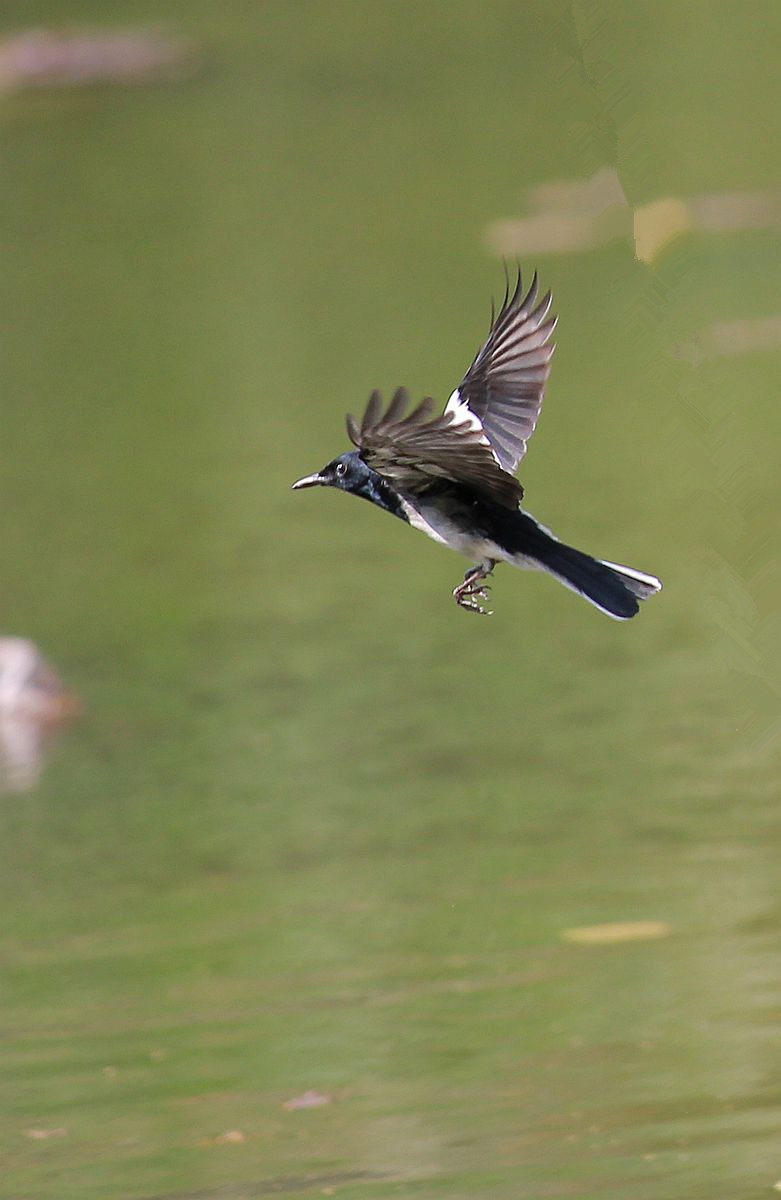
(318, 830)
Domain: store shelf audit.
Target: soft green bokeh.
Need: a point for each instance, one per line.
(318, 829)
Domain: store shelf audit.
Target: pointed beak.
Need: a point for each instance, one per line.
(315, 480)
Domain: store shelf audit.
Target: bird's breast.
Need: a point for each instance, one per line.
(452, 524)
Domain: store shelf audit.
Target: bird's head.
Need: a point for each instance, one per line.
(347, 472)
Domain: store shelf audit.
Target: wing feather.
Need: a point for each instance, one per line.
(414, 451)
(505, 385)
(481, 437)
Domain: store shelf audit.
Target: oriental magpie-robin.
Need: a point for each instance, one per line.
(453, 475)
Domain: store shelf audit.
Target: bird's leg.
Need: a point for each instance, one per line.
(472, 590)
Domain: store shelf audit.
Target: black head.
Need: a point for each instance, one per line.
(347, 472)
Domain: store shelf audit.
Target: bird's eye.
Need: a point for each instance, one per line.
(341, 468)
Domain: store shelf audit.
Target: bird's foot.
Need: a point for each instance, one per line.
(468, 600)
(469, 593)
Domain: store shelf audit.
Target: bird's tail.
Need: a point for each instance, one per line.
(614, 589)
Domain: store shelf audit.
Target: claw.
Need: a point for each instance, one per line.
(478, 609)
(468, 601)
(467, 594)
(481, 593)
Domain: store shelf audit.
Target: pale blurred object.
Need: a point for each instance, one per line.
(566, 215)
(231, 1137)
(658, 223)
(39, 58)
(663, 220)
(583, 214)
(616, 931)
(310, 1099)
(723, 338)
(33, 703)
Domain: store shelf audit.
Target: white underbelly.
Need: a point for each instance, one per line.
(438, 526)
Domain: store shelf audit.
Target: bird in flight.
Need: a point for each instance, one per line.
(452, 475)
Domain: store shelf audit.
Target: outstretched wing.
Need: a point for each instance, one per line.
(504, 387)
(412, 451)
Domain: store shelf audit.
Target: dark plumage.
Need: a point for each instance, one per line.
(452, 475)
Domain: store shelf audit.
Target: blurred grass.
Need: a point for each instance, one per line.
(318, 829)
